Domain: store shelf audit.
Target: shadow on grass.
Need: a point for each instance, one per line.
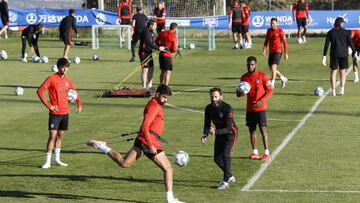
(24, 194)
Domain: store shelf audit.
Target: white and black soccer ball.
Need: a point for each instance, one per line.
(19, 91)
(96, 57)
(72, 95)
(3, 55)
(319, 91)
(192, 46)
(35, 59)
(45, 59)
(243, 87)
(181, 158)
(77, 60)
(54, 68)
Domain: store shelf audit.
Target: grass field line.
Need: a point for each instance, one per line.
(307, 191)
(250, 183)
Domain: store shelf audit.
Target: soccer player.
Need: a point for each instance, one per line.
(4, 14)
(57, 85)
(31, 35)
(260, 92)
(275, 36)
(67, 26)
(124, 14)
(235, 24)
(245, 24)
(355, 37)
(340, 40)
(148, 141)
(225, 131)
(160, 16)
(302, 14)
(139, 21)
(167, 39)
(147, 44)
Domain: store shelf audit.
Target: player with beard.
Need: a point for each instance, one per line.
(225, 131)
(148, 141)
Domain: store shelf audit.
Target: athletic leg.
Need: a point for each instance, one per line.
(167, 77)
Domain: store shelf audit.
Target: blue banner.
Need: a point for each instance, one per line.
(259, 19)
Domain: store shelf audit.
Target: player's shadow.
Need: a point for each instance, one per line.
(30, 195)
(293, 94)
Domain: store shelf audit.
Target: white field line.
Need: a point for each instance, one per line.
(308, 191)
(250, 183)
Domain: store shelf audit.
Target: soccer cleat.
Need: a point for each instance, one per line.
(60, 163)
(265, 157)
(175, 200)
(133, 59)
(24, 60)
(341, 92)
(283, 82)
(254, 156)
(232, 179)
(96, 143)
(304, 39)
(222, 185)
(356, 80)
(46, 165)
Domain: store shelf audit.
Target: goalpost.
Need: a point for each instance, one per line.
(110, 36)
(199, 36)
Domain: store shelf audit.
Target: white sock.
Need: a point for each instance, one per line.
(333, 91)
(267, 152)
(283, 78)
(105, 149)
(48, 157)
(255, 151)
(273, 83)
(342, 90)
(356, 74)
(169, 195)
(57, 154)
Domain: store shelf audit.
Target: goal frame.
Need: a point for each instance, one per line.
(95, 34)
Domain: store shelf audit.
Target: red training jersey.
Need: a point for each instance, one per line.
(260, 89)
(301, 9)
(153, 121)
(58, 88)
(274, 38)
(160, 13)
(235, 13)
(124, 10)
(245, 15)
(356, 37)
(167, 38)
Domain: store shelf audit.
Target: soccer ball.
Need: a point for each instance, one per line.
(349, 50)
(192, 46)
(35, 59)
(3, 55)
(54, 68)
(181, 158)
(72, 95)
(95, 57)
(45, 59)
(19, 91)
(319, 91)
(76, 60)
(243, 87)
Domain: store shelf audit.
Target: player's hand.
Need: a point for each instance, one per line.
(152, 150)
(79, 109)
(264, 52)
(286, 57)
(212, 131)
(229, 25)
(239, 93)
(54, 108)
(257, 103)
(204, 139)
(161, 48)
(324, 60)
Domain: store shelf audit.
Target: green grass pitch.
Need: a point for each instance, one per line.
(319, 164)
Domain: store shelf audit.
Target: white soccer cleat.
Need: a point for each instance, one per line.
(283, 82)
(175, 200)
(356, 80)
(232, 179)
(223, 185)
(304, 39)
(60, 163)
(46, 165)
(24, 60)
(96, 143)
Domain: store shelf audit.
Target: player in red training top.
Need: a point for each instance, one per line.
(124, 14)
(235, 24)
(167, 39)
(260, 92)
(148, 141)
(57, 85)
(160, 16)
(274, 37)
(355, 37)
(302, 14)
(245, 21)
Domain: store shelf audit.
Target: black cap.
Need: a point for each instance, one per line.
(71, 11)
(339, 20)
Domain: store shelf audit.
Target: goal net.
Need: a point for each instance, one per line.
(200, 37)
(107, 36)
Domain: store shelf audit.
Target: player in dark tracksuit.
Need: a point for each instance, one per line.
(147, 44)
(139, 21)
(31, 36)
(4, 15)
(221, 114)
(67, 26)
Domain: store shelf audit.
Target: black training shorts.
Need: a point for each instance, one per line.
(58, 122)
(274, 58)
(244, 28)
(125, 22)
(256, 118)
(236, 27)
(165, 62)
(160, 27)
(301, 22)
(146, 60)
(338, 62)
(145, 148)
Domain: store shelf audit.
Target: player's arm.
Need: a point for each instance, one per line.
(148, 119)
(266, 43)
(351, 44)
(284, 41)
(230, 17)
(207, 125)
(293, 11)
(119, 10)
(268, 90)
(151, 42)
(326, 45)
(307, 10)
(174, 45)
(40, 92)
(228, 123)
(78, 100)
(73, 24)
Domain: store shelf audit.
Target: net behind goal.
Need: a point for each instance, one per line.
(199, 37)
(118, 36)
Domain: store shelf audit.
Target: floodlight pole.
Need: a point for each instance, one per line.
(269, 5)
(101, 4)
(332, 5)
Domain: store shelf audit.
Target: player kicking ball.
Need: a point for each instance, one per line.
(148, 141)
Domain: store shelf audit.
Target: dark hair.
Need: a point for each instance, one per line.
(173, 26)
(273, 19)
(164, 89)
(138, 8)
(63, 62)
(338, 21)
(251, 58)
(216, 89)
(151, 22)
(71, 11)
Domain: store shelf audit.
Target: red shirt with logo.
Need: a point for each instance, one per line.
(356, 37)
(167, 38)
(302, 10)
(274, 38)
(246, 15)
(260, 89)
(58, 88)
(124, 10)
